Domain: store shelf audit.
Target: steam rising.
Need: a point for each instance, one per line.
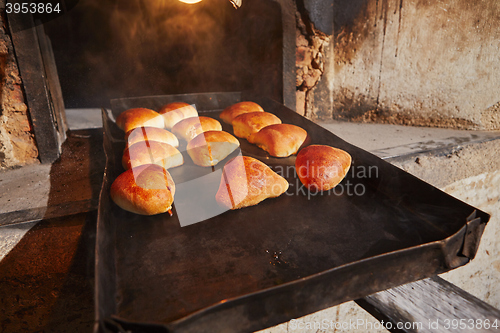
(107, 49)
(150, 47)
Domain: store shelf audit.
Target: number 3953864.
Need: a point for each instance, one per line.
(32, 8)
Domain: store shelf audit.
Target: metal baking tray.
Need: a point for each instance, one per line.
(244, 270)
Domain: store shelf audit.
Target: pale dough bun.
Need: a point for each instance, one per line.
(235, 110)
(211, 147)
(248, 123)
(321, 167)
(174, 112)
(189, 128)
(246, 181)
(151, 152)
(132, 118)
(280, 140)
(145, 190)
(150, 134)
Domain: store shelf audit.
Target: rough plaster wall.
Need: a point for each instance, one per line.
(324, 90)
(418, 62)
(17, 144)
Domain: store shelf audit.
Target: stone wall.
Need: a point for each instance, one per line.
(313, 56)
(310, 63)
(17, 143)
(412, 62)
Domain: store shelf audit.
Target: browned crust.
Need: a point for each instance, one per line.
(246, 181)
(145, 190)
(211, 147)
(322, 167)
(189, 128)
(237, 109)
(139, 134)
(138, 117)
(211, 136)
(174, 112)
(248, 123)
(173, 106)
(279, 140)
(151, 152)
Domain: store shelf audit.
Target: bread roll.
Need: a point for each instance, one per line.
(248, 123)
(246, 182)
(132, 118)
(211, 147)
(189, 128)
(146, 190)
(174, 112)
(150, 134)
(235, 110)
(280, 140)
(321, 167)
(151, 152)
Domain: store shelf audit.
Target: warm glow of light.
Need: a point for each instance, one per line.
(190, 1)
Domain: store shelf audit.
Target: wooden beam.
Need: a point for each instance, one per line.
(52, 85)
(431, 305)
(49, 129)
(288, 10)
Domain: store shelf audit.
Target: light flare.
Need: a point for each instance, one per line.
(190, 1)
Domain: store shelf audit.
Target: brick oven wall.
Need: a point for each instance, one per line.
(312, 66)
(17, 143)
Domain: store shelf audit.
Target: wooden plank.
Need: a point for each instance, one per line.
(30, 63)
(288, 10)
(52, 84)
(431, 305)
(49, 212)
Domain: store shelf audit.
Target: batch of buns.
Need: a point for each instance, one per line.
(153, 137)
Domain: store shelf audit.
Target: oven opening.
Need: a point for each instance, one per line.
(114, 49)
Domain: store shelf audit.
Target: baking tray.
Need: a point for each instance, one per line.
(256, 267)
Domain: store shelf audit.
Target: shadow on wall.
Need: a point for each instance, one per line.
(350, 28)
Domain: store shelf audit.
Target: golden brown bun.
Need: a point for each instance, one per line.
(189, 128)
(211, 147)
(151, 152)
(146, 190)
(321, 167)
(235, 110)
(174, 112)
(248, 123)
(246, 182)
(132, 118)
(280, 140)
(150, 134)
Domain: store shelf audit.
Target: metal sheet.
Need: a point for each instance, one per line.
(244, 270)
